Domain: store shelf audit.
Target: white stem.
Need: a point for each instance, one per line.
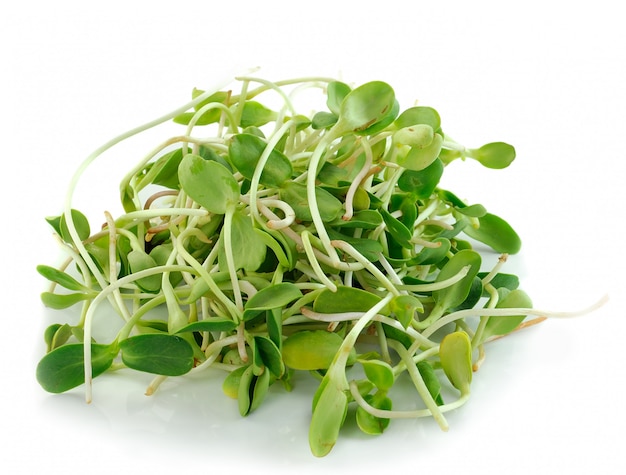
(509, 312)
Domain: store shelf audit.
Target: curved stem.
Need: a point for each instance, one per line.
(419, 384)
(260, 166)
(91, 264)
(230, 259)
(509, 312)
(311, 185)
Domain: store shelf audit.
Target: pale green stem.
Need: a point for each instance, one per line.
(213, 351)
(206, 276)
(436, 285)
(338, 366)
(95, 154)
(509, 312)
(295, 237)
(105, 293)
(426, 212)
(387, 414)
(146, 214)
(230, 259)
(308, 249)
(152, 173)
(207, 107)
(501, 260)
(311, 186)
(493, 301)
(352, 252)
(420, 385)
(260, 166)
(365, 145)
(113, 265)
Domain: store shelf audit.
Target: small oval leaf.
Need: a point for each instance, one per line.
(496, 233)
(455, 353)
(208, 183)
(274, 296)
(368, 423)
(311, 350)
(63, 368)
(379, 372)
(168, 355)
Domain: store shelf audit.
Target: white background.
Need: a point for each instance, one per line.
(548, 77)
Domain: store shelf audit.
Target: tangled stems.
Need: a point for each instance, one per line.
(277, 242)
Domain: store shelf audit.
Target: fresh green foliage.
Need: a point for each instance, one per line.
(264, 242)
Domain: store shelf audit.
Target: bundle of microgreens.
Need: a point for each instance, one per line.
(281, 242)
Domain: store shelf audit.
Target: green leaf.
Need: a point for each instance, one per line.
(380, 125)
(328, 417)
(418, 136)
(210, 116)
(496, 155)
(200, 286)
(323, 120)
(245, 390)
(270, 355)
(210, 324)
(473, 211)
(274, 322)
(420, 157)
(311, 350)
(261, 384)
(138, 261)
(230, 385)
(501, 280)
(285, 259)
(245, 150)
(161, 254)
(433, 255)
(49, 335)
(496, 233)
(455, 353)
(368, 423)
(168, 355)
(247, 249)
(422, 183)
(80, 221)
(369, 248)
(379, 373)
(208, 183)
(255, 114)
(274, 296)
(406, 204)
(63, 368)
(57, 335)
(502, 325)
(473, 296)
(295, 194)
(61, 301)
(331, 174)
(431, 381)
(455, 294)
(404, 308)
(337, 92)
(364, 219)
(451, 198)
(61, 278)
(400, 233)
(345, 299)
(419, 115)
(365, 106)
(166, 169)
